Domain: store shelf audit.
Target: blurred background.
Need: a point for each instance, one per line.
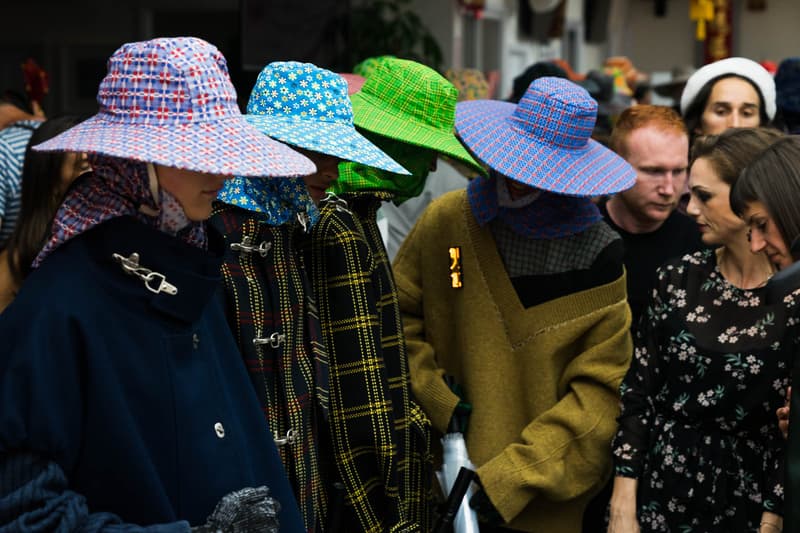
(71, 40)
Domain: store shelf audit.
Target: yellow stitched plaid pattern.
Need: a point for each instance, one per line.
(267, 299)
(381, 442)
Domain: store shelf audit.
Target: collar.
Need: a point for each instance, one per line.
(551, 216)
(194, 272)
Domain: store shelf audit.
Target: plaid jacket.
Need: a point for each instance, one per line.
(272, 313)
(381, 438)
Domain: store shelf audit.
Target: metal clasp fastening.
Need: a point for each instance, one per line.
(290, 438)
(304, 220)
(274, 340)
(246, 246)
(338, 203)
(155, 282)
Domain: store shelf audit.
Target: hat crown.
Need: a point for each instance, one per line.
(167, 81)
(300, 91)
(408, 89)
(557, 112)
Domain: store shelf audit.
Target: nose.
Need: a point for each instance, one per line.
(668, 184)
(757, 242)
(735, 120)
(691, 208)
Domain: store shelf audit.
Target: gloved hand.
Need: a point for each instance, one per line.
(459, 420)
(243, 511)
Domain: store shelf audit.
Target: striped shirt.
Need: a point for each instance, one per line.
(13, 141)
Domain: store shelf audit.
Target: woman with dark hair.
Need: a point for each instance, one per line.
(697, 448)
(45, 178)
(731, 93)
(766, 197)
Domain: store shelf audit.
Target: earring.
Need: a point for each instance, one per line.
(748, 235)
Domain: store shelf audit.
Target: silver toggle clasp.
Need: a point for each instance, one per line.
(155, 282)
(274, 340)
(246, 246)
(304, 220)
(290, 438)
(338, 203)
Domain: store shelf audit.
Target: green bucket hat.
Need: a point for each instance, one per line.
(411, 103)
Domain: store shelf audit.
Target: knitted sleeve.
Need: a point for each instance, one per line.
(564, 452)
(427, 381)
(35, 497)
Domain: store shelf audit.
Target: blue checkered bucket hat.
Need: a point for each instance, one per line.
(309, 107)
(171, 102)
(545, 140)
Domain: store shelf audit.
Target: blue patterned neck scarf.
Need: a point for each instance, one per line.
(550, 216)
(117, 187)
(279, 200)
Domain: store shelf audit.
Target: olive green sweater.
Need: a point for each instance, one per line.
(543, 381)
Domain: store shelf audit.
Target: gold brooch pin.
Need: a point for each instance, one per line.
(455, 267)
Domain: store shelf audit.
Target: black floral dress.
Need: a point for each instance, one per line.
(698, 427)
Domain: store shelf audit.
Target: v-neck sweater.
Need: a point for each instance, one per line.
(543, 380)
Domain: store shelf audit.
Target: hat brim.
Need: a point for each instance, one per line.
(373, 116)
(228, 146)
(331, 138)
(487, 128)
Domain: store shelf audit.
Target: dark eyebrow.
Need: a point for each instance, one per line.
(661, 170)
(728, 104)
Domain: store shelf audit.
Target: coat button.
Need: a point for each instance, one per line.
(219, 430)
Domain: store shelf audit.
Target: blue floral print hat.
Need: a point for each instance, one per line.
(307, 106)
(278, 200)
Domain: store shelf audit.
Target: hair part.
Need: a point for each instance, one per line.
(732, 150)
(661, 117)
(773, 178)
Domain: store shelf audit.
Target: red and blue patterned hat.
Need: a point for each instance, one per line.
(307, 106)
(171, 102)
(545, 140)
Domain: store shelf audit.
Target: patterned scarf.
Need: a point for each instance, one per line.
(549, 216)
(118, 187)
(279, 199)
(355, 177)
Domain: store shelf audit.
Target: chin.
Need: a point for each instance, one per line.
(199, 215)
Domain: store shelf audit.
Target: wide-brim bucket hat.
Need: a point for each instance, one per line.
(170, 101)
(309, 107)
(409, 102)
(544, 141)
